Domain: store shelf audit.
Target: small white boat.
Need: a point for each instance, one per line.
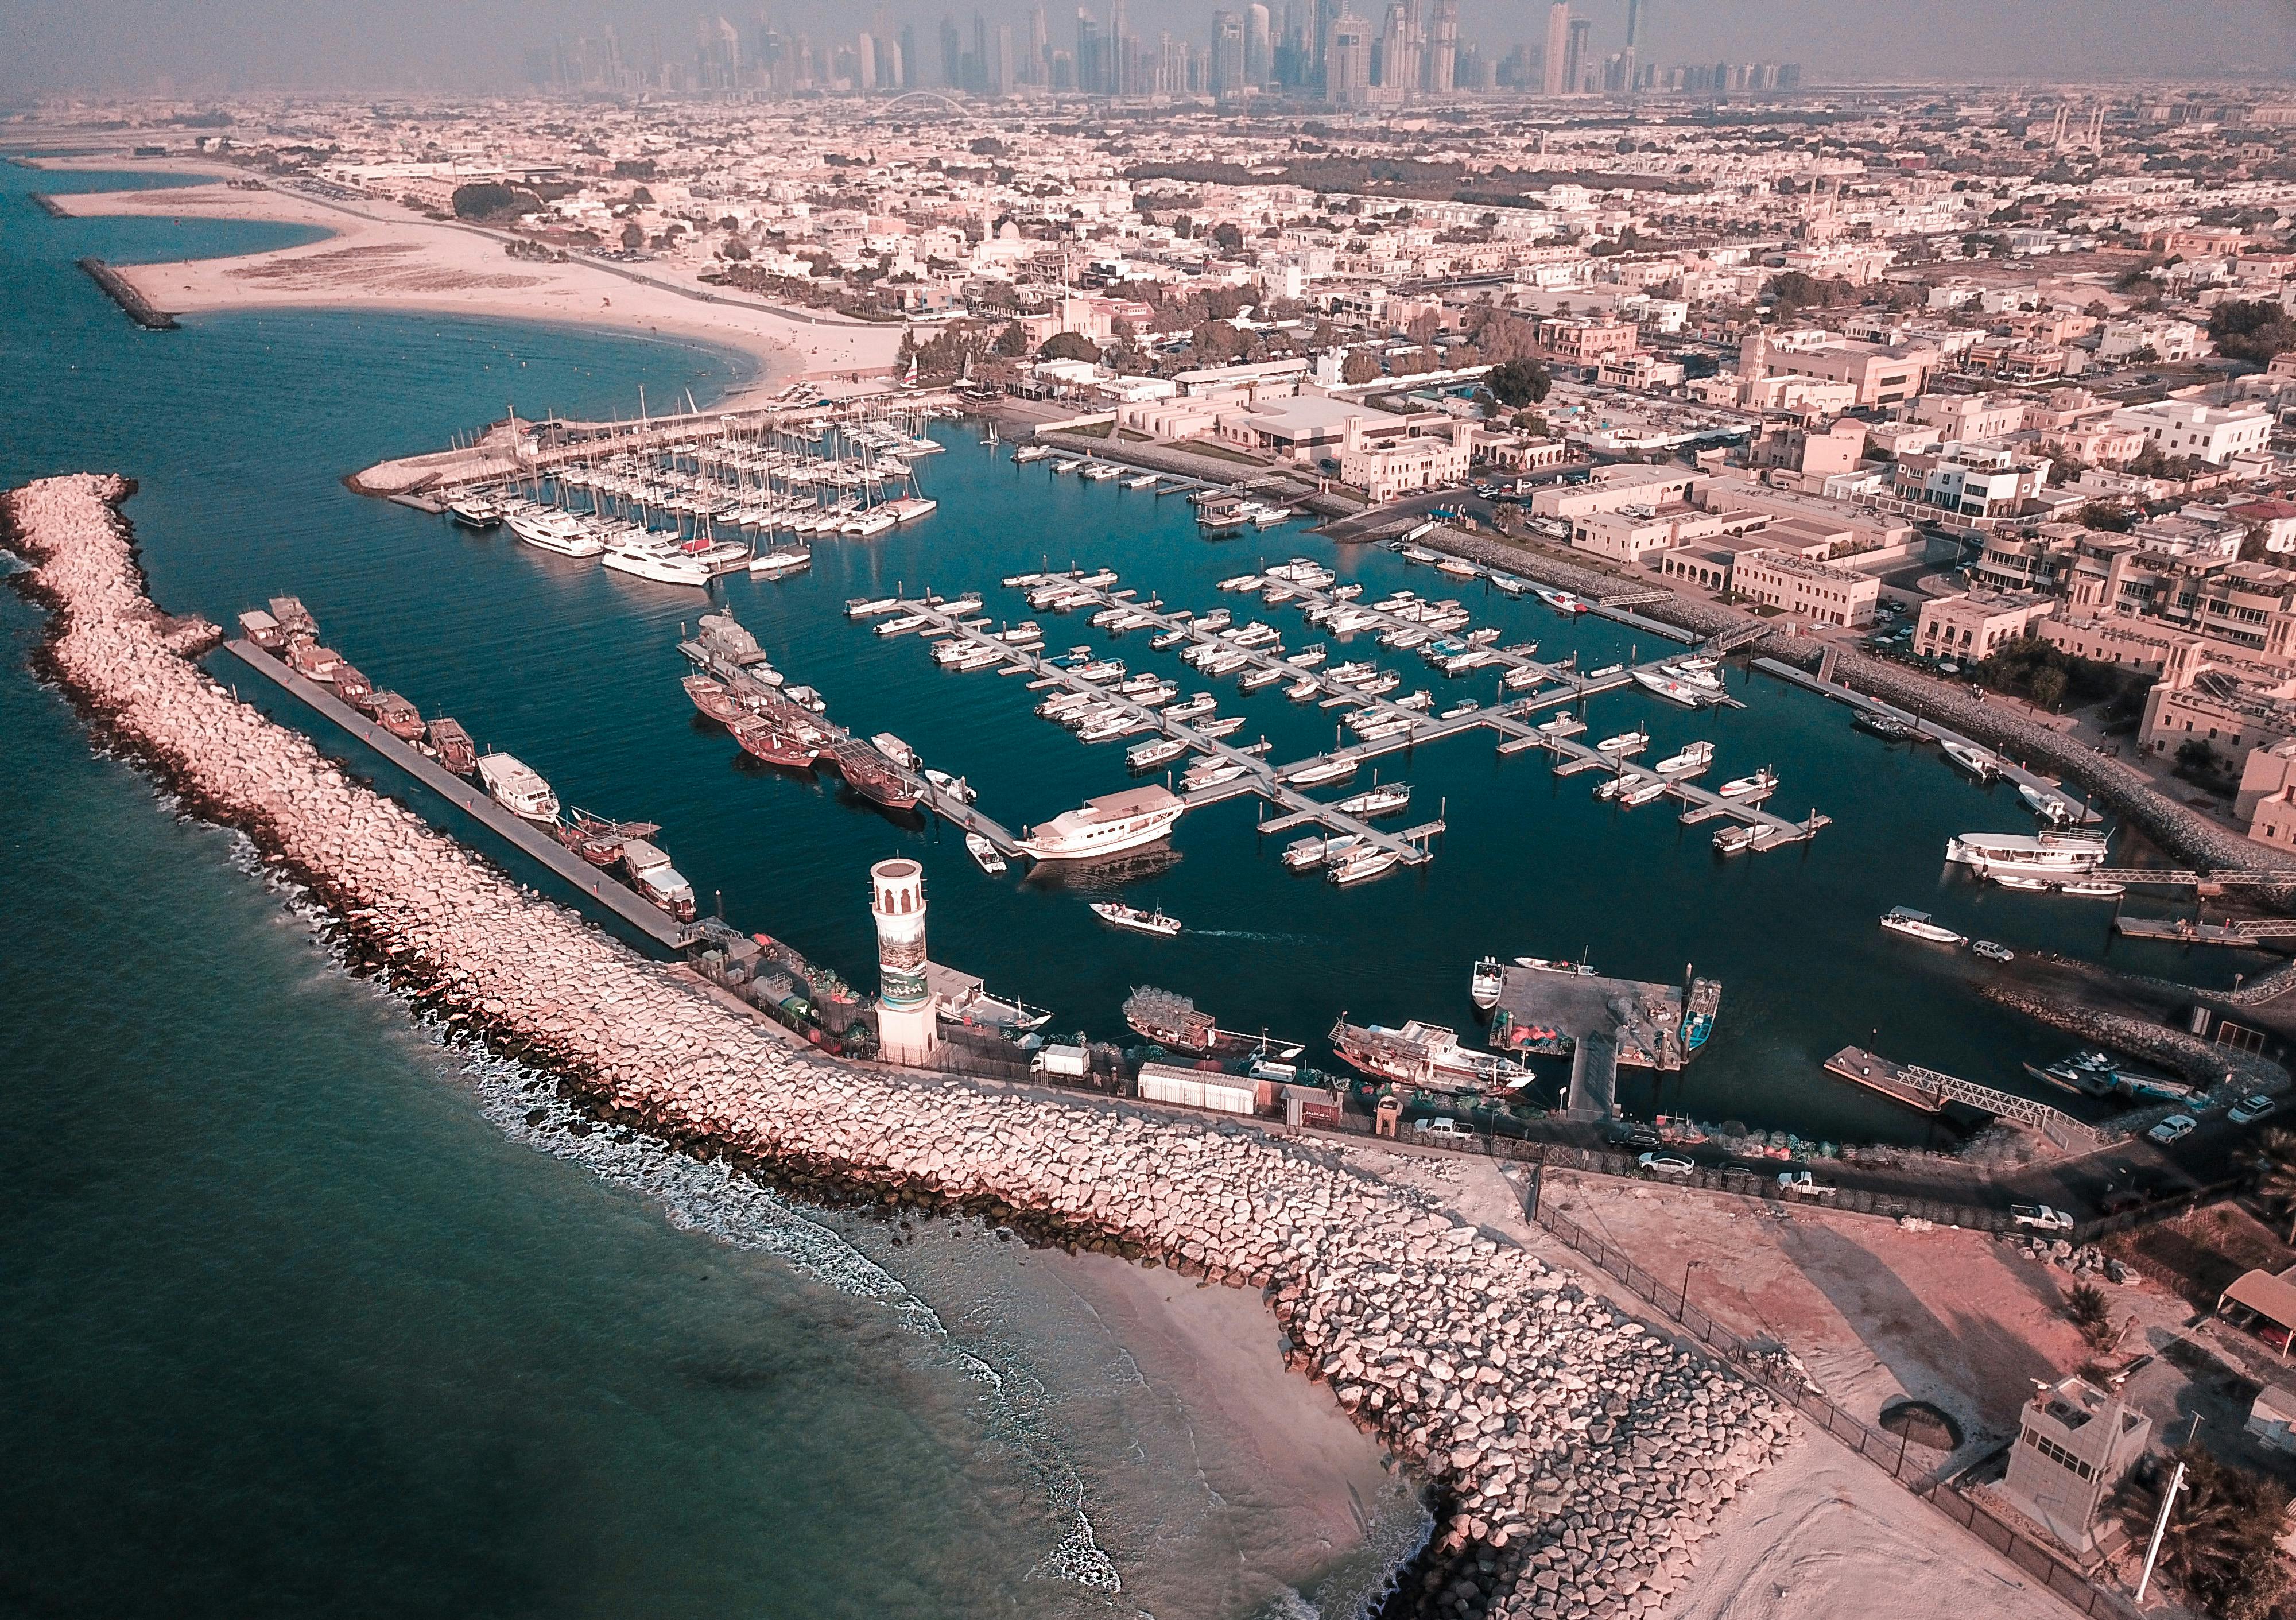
(1624, 744)
(1387, 801)
(1308, 853)
(2053, 807)
(1483, 985)
(1581, 970)
(984, 853)
(1321, 772)
(1148, 755)
(1733, 840)
(2093, 889)
(1119, 915)
(2017, 880)
(1975, 761)
(1920, 926)
(1761, 785)
(788, 561)
(1361, 865)
(953, 787)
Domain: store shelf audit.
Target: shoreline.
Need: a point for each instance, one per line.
(1572, 1448)
(386, 258)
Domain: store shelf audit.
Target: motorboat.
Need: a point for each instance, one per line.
(1484, 983)
(1576, 970)
(1761, 785)
(519, 788)
(1920, 926)
(1117, 914)
(1386, 801)
(1361, 865)
(2048, 853)
(1159, 750)
(2088, 888)
(1977, 761)
(1106, 826)
(951, 787)
(1671, 689)
(1306, 854)
(2018, 880)
(2053, 807)
(984, 853)
(1625, 743)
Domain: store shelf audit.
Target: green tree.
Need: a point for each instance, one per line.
(1068, 346)
(2224, 1530)
(1013, 342)
(2273, 1162)
(489, 200)
(2195, 757)
(1361, 365)
(2113, 520)
(633, 235)
(2252, 330)
(1515, 383)
(1227, 238)
(2048, 687)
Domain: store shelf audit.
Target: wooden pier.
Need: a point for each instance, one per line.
(588, 880)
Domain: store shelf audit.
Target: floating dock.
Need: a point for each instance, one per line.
(1876, 1073)
(1606, 1024)
(624, 903)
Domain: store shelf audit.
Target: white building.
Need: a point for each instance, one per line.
(2214, 433)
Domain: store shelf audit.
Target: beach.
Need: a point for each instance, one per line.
(381, 256)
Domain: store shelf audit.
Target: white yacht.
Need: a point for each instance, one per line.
(1106, 826)
(519, 788)
(2064, 854)
(650, 556)
(548, 528)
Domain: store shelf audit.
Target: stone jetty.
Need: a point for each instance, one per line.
(1576, 1455)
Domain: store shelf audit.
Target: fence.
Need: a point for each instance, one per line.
(1877, 1446)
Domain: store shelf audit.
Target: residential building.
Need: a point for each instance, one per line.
(1968, 625)
(2075, 1443)
(1404, 465)
(2210, 433)
(1972, 481)
(2211, 697)
(1614, 489)
(1877, 374)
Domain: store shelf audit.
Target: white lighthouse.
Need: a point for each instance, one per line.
(908, 1029)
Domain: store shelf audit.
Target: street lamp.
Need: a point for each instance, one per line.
(1683, 1304)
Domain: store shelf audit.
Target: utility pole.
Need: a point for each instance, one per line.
(2160, 1527)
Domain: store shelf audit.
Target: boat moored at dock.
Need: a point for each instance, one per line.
(1920, 926)
(1424, 1056)
(519, 789)
(1106, 826)
(2040, 854)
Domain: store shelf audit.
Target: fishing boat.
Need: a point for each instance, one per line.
(1106, 826)
(1306, 854)
(1733, 840)
(773, 745)
(1977, 761)
(1576, 970)
(1920, 926)
(1377, 800)
(2089, 888)
(1761, 785)
(1118, 915)
(869, 773)
(396, 716)
(712, 700)
(1670, 688)
(954, 788)
(519, 789)
(1484, 983)
(1427, 1057)
(984, 853)
(1882, 726)
(2055, 809)
(1361, 865)
(653, 876)
(450, 745)
(1175, 1023)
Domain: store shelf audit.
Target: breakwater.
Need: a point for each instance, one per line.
(115, 286)
(48, 205)
(1578, 1454)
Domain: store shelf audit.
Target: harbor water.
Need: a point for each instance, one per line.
(303, 1309)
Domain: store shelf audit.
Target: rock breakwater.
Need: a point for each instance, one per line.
(1578, 1454)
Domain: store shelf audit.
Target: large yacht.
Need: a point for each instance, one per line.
(519, 788)
(2066, 853)
(1106, 826)
(646, 555)
(551, 529)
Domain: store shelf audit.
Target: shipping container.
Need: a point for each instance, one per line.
(1062, 1060)
(1161, 1082)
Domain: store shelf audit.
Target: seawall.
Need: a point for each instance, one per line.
(115, 285)
(1578, 1455)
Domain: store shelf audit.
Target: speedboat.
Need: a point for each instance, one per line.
(2055, 809)
(1362, 865)
(1484, 983)
(1581, 970)
(1121, 915)
(984, 853)
(1759, 786)
(2017, 880)
(1920, 926)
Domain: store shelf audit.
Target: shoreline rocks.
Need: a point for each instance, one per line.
(1575, 1454)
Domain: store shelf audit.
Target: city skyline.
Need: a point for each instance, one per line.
(192, 47)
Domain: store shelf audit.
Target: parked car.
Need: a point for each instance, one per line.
(1437, 1127)
(1803, 1185)
(2041, 1217)
(1735, 1174)
(2176, 1127)
(1666, 1165)
(2251, 1109)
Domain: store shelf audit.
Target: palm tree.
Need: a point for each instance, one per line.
(2273, 1162)
(2220, 1544)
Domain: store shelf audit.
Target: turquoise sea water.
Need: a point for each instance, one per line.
(300, 1311)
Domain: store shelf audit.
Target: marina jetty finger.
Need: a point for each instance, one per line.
(1576, 1455)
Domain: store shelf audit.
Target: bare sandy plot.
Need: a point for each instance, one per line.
(378, 255)
(1823, 1537)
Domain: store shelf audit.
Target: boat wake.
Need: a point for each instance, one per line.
(1252, 934)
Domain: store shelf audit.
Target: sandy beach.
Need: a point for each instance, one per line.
(381, 256)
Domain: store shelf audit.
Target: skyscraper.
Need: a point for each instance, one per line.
(1443, 52)
(1228, 55)
(1557, 79)
(1578, 62)
(1347, 61)
(1119, 80)
(1258, 46)
(1637, 19)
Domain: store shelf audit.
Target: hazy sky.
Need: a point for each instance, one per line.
(195, 45)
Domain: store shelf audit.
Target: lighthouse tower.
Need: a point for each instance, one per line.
(907, 1011)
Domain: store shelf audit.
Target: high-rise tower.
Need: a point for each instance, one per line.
(1556, 81)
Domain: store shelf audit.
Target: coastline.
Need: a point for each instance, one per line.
(1575, 1450)
(384, 256)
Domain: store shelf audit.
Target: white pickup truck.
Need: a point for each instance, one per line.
(1803, 1185)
